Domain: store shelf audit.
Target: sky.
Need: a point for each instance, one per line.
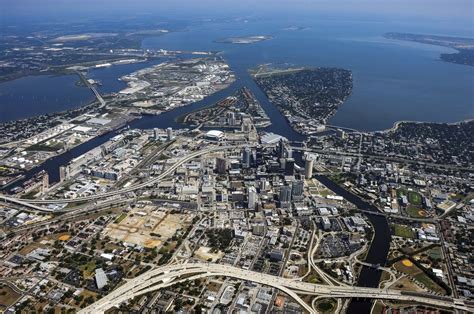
(444, 12)
(433, 8)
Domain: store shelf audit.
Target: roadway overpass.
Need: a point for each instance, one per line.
(30, 202)
(171, 274)
(380, 157)
(23, 202)
(92, 88)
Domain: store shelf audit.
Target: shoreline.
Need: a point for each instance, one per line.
(397, 124)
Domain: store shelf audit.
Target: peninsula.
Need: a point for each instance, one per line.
(464, 46)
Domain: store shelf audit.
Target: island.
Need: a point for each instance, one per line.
(464, 46)
(245, 40)
(307, 97)
(294, 28)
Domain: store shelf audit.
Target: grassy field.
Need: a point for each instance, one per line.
(414, 198)
(403, 231)
(415, 211)
(326, 305)
(401, 192)
(7, 296)
(435, 253)
(88, 269)
(379, 307)
(412, 270)
(405, 284)
(430, 284)
(120, 218)
(419, 276)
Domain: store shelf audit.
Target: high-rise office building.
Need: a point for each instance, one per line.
(221, 165)
(246, 157)
(231, 118)
(281, 148)
(297, 190)
(289, 167)
(308, 167)
(252, 197)
(169, 133)
(285, 193)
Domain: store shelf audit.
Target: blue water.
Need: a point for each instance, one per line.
(35, 95)
(392, 80)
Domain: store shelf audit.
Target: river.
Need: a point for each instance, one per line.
(378, 251)
(392, 81)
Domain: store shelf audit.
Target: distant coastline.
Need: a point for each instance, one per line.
(463, 45)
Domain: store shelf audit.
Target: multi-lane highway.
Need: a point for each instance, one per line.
(31, 203)
(172, 274)
(379, 157)
(92, 88)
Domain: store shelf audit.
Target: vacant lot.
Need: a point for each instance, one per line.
(148, 227)
(204, 253)
(7, 296)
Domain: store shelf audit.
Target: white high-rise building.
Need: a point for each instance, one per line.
(169, 133)
(252, 199)
(308, 167)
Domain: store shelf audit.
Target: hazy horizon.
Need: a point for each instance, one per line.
(458, 11)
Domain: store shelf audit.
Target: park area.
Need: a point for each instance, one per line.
(415, 211)
(406, 266)
(403, 231)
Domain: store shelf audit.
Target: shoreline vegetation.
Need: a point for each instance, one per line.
(396, 125)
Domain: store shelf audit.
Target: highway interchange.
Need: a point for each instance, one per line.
(33, 202)
(174, 273)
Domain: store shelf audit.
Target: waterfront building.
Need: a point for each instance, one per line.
(281, 148)
(169, 133)
(63, 173)
(45, 185)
